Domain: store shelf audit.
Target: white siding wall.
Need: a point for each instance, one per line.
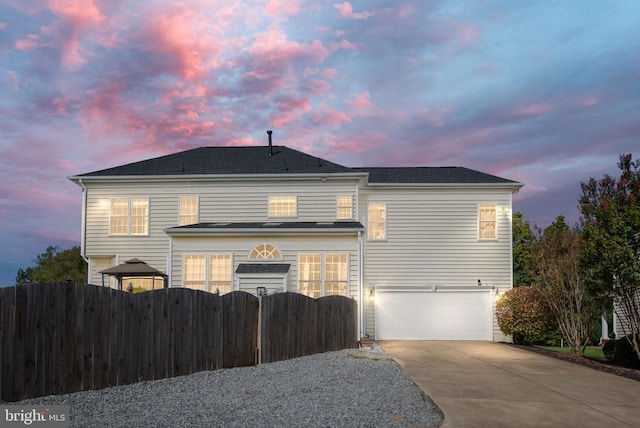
(432, 238)
(289, 246)
(218, 202)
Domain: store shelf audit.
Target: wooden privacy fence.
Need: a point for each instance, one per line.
(294, 325)
(61, 338)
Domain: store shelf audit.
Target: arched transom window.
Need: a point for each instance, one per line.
(265, 251)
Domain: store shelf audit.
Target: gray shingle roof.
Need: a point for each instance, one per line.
(431, 175)
(263, 268)
(247, 160)
(273, 225)
(227, 160)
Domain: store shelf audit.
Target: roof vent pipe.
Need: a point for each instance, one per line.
(269, 132)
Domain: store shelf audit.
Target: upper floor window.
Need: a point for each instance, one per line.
(265, 251)
(129, 216)
(377, 221)
(345, 208)
(188, 211)
(282, 206)
(487, 221)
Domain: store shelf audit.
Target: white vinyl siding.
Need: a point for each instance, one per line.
(283, 206)
(377, 221)
(432, 239)
(487, 221)
(290, 247)
(188, 208)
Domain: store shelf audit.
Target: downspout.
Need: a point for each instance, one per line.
(361, 281)
(83, 231)
(170, 261)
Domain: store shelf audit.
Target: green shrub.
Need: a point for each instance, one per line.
(624, 354)
(523, 313)
(609, 349)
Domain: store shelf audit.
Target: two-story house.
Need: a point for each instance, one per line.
(423, 251)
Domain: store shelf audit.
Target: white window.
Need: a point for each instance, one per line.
(188, 211)
(129, 216)
(377, 221)
(282, 206)
(345, 208)
(487, 221)
(322, 275)
(194, 271)
(214, 276)
(309, 275)
(220, 273)
(265, 251)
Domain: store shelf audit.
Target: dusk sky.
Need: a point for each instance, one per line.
(545, 93)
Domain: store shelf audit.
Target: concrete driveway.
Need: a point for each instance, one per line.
(485, 384)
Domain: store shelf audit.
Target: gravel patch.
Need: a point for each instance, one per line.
(355, 388)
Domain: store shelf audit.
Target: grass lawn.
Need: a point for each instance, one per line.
(593, 352)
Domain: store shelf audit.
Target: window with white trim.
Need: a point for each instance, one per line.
(487, 221)
(129, 216)
(212, 273)
(194, 271)
(323, 274)
(220, 275)
(377, 221)
(265, 251)
(188, 211)
(283, 206)
(345, 207)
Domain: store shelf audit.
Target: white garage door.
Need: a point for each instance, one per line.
(433, 315)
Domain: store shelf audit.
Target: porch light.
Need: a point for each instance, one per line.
(372, 293)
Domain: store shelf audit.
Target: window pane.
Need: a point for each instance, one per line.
(118, 217)
(309, 275)
(487, 223)
(336, 274)
(188, 211)
(377, 221)
(194, 272)
(265, 251)
(345, 207)
(139, 216)
(282, 206)
(220, 273)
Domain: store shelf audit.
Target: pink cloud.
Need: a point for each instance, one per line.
(360, 105)
(330, 116)
(467, 33)
(183, 36)
(591, 101)
(282, 7)
(318, 87)
(534, 110)
(3, 25)
(346, 11)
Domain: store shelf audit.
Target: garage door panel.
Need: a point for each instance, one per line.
(433, 316)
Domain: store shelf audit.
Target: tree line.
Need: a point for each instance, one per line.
(564, 276)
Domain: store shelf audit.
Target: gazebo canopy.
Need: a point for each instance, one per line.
(133, 268)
